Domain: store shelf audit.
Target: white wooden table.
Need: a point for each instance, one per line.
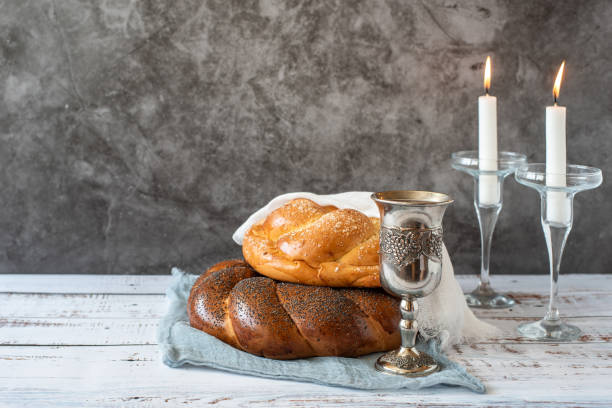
(82, 340)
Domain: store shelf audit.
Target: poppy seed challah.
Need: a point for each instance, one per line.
(285, 320)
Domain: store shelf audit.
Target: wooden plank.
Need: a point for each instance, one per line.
(120, 284)
(534, 305)
(104, 331)
(93, 306)
(157, 284)
(67, 331)
(534, 375)
(106, 306)
(540, 284)
(595, 329)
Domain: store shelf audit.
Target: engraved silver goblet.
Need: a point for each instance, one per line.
(410, 267)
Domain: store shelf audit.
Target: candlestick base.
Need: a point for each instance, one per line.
(549, 330)
(488, 198)
(556, 217)
(485, 297)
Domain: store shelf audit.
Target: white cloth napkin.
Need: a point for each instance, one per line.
(443, 314)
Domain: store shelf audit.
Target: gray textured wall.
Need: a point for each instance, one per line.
(136, 135)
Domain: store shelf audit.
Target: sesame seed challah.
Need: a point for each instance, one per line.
(304, 242)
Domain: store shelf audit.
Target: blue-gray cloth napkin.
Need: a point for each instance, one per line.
(182, 344)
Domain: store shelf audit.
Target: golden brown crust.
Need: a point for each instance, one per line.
(293, 215)
(286, 321)
(225, 264)
(303, 242)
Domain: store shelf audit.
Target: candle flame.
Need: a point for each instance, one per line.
(487, 75)
(557, 86)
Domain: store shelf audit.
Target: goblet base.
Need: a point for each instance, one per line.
(549, 330)
(408, 362)
(485, 297)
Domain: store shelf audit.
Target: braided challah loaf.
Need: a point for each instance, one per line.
(285, 320)
(304, 242)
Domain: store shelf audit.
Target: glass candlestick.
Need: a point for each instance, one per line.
(557, 218)
(488, 199)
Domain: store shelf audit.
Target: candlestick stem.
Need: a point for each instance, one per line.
(555, 236)
(487, 219)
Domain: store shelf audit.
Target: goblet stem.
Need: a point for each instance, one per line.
(407, 360)
(556, 236)
(408, 324)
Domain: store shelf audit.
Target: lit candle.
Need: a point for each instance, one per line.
(488, 188)
(558, 207)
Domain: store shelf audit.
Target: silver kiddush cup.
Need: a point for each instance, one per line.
(410, 267)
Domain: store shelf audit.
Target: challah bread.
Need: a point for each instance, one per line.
(285, 320)
(304, 242)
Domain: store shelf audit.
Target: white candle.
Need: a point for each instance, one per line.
(558, 206)
(488, 188)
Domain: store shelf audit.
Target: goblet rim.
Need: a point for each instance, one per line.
(419, 198)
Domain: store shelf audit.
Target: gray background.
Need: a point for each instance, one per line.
(137, 135)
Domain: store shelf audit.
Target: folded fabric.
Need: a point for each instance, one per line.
(444, 314)
(181, 344)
